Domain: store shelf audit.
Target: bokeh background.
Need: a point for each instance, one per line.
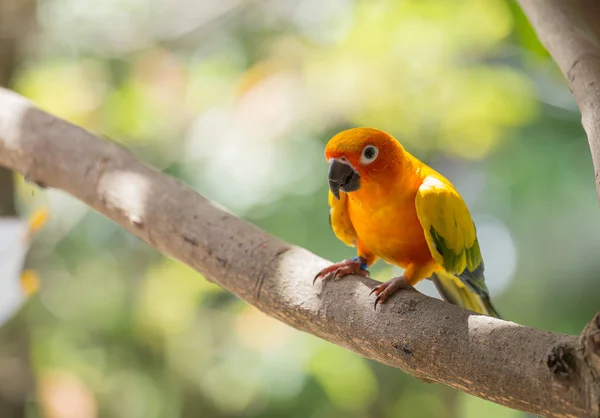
(237, 98)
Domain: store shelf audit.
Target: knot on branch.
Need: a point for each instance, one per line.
(562, 363)
(590, 345)
(590, 342)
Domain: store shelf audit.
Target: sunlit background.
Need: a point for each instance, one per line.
(237, 98)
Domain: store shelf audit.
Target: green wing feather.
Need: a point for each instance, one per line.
(452, 240)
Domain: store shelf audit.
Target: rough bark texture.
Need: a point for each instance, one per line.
(524, 368)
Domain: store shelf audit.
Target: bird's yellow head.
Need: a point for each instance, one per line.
(362, 155)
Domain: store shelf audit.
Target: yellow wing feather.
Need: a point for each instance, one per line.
(448, 226)
(339, 219)
(452, 240)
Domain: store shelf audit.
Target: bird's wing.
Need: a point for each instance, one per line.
(339, 219)
(448, 227)
(452, 240)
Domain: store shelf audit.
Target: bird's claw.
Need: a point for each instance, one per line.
(343, 268)
(385, 290)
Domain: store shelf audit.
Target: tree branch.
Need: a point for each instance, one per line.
(520, 367)
(569, 29)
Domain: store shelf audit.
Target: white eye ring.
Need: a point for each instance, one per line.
(369, 154)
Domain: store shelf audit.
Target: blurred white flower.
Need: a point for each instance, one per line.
(15, 284)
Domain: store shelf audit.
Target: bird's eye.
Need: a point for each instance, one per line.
(369, 154)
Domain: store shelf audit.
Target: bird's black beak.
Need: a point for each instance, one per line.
(342, 177)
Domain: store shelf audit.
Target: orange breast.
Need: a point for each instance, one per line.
(391, 230)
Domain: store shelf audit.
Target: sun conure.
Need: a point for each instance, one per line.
(389, 205)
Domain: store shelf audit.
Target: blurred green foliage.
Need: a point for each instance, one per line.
(238, 98)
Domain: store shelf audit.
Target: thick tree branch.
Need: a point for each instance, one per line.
(524, 368)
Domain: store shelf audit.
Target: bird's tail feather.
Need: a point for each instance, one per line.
(454, 290)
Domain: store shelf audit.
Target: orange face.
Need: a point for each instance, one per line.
(361, 155)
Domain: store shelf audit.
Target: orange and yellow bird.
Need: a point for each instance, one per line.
(390, 205)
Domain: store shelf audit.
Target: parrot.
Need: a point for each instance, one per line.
(391, 206)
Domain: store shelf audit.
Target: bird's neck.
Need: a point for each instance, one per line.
(398, 183)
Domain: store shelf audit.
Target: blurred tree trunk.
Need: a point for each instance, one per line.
(17, 18)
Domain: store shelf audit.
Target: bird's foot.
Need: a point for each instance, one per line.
(356, 265)
(385, 290)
